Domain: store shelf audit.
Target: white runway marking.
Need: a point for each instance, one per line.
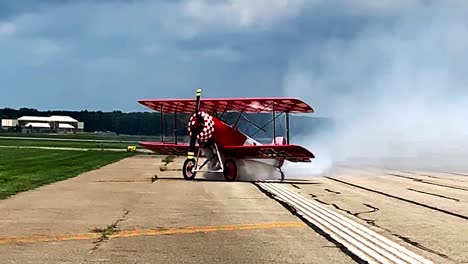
(360, 240)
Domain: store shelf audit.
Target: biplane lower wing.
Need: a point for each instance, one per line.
(167, 148)
(293, 153)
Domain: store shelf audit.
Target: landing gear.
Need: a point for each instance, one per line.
(188, 169)
(280, 164)
(214, 160)
(230, 170)
(282, 174)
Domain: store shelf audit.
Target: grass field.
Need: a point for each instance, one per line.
(62, 143)
(85, 140)
(25, 169)
(90, 136)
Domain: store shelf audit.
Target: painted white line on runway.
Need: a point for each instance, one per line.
(360, 240)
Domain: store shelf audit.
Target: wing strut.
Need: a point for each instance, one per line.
(175, 127)
(287, 128)
(161, 124)
(251, 122)
(274, 122)
(227, 106)
(238, 117)
(265, 125)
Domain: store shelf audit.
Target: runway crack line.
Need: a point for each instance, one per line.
(464, 217)
(422, 174)
(418, 245)
(335, 192)
(121, 181)
(440, 178)
(108, 231)
(357, 215)
(435, 194)
(373, 209)
(457, 173)
(295, 186)
(427, 182)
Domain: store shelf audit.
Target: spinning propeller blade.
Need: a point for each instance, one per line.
(197, 129)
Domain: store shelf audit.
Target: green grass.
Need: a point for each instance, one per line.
(96, 136)
(88, 136)
(62, 143)
(25, 169)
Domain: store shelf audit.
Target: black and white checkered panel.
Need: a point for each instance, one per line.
(208, 128)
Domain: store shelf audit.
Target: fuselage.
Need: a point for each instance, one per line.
(217, 131)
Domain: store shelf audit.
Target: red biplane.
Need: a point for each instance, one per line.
(223, 145)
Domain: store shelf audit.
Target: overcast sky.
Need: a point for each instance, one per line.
(105, 55)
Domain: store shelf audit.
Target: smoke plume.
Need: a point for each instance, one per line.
(397, 90)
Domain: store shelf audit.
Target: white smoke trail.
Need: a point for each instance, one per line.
(398, 90)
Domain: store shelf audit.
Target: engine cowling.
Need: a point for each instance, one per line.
(208, 126)
(216, 131)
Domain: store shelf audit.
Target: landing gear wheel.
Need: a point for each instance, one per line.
(230, 170)
(187, 169)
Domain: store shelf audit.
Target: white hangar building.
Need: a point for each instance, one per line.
(50, 124)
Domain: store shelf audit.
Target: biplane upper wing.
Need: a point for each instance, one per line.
(293, 153)
(167, 148)
(247, 105)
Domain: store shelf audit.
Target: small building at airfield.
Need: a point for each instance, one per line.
(9, 124)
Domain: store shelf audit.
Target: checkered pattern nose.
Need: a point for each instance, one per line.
(208, 127)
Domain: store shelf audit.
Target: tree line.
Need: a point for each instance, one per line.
(149, 123)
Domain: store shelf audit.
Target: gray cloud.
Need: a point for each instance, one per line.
(107, 54)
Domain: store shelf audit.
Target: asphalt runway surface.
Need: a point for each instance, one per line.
(133, 212)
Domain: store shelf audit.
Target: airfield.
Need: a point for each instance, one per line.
(140, 210)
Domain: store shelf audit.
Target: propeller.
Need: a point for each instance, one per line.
(199, 127)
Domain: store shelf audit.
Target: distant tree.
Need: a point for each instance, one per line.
(148, 123)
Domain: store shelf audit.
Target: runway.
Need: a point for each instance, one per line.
(132, 212)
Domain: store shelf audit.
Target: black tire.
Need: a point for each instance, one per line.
(230, 170)
(189, 164)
